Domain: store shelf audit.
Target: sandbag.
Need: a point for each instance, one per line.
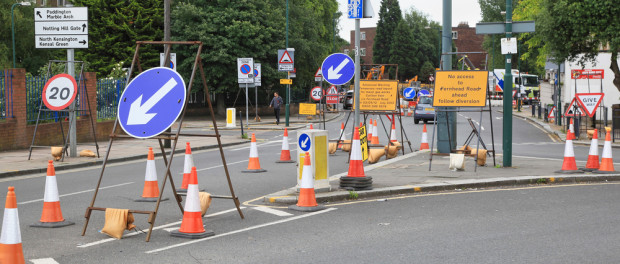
(87, 153)
(375, 155)
(333, 146)
(56, 153)
(392, 150)
(346, 145)
(464, 150)
(482, 156)
(205, 202)
(457, 161)
(116, 221)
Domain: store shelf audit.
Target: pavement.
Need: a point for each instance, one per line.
(409, 173)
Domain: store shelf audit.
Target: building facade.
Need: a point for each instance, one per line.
(367, 40)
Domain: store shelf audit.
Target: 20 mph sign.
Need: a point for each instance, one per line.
(59, 91)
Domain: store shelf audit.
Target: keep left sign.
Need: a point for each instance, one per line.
(589, 102)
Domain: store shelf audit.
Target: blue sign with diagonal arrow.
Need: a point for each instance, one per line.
(338, 68)
(409, 93)
(304, 142)
(152, 102)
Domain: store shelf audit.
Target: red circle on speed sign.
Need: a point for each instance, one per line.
(316, 93)
(59, 91)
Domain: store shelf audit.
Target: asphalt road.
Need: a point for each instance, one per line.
(123, 183)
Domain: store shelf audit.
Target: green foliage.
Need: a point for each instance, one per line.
(353, 195)
(403, 51)
(389, 18)
(427, 70)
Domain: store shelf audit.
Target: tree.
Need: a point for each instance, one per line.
(389, 17)
(403, 51)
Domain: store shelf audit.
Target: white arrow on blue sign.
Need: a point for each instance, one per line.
(424, 93)
(304, 142)
(152, 102)
(409, 93)
(338, 68)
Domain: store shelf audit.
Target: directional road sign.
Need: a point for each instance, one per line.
(286, 59)
(424, 93)
(304, 142)
(590, 102)
(245, 66)
(500, 27)
(59, 91)
(355, 9)
(152, 102)
(316, 93)
(409, 93)
(338, 68)
(257, 74)
(61, 28)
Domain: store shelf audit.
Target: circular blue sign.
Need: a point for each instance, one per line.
(424, 93)
(152, 102)
(338, 68)
(245, 69)
(304, 142)
(409, 93)
(255, 73)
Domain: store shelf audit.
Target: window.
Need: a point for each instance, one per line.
(362, 36)
(363, 52)
(455, 35)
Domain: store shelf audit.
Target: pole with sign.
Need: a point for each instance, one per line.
(245, 68)
(286, 63)
(357, 9)
(257, 80)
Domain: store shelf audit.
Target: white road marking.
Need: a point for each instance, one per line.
(91, 190)
(578, 161)
(217, 166)
(154, 228)
(271, 211)
(44, 261)
(242, 230)
(258, 145)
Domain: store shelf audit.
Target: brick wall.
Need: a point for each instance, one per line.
(364, 43)
(467, 40)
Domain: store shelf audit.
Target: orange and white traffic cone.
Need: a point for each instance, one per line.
(52, 214)
(370, 129)
(150, 192)
(393, 133)
(356, 179)
(409, 112)
(593, 158)
(607, 162)
(569, 165)
(307, 200)
(343, 137)
(192, 226)
(187, 167)
(285, 154)
(253, 163)
(11, 250)
(424, 141)
(375, 134)
(402, 113)
(311, 127)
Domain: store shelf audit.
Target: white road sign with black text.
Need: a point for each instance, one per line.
(61, 28)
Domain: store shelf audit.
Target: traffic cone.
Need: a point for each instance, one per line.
(51, 215)
(369, 129)
(402, 113)
(192, 226)
(569, 165)
(356, 179)
(306, 201)
(311, 127)
(343, 137)
(409, 112)
(150, 192)
(375, 134)
(593, 159)
(393, 133)
(187, 167)
(424, 141)
(285, 154)
(607, 162)
(11, 238)
(254, 164)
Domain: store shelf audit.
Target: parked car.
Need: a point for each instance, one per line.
(424, 110)
(348, 100)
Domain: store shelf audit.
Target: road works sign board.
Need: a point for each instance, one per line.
(574, 109)
(245, 67)
(61, 28)
(378, 95)
(286, 59)
(307, 109)
(318, 76)
(461, 88)
(152, 102)
(589, 102)
(338, 68)
(364, 142)
(332, 95)
(59, 92)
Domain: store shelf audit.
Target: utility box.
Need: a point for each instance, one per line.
(315, 142)
(231, 120)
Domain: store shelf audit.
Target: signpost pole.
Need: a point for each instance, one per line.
(72, 113)
(247, 115)
(445, 139)
(356, 117)
(287, 109)
(507, 125)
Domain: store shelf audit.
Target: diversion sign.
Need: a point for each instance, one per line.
(461, 88)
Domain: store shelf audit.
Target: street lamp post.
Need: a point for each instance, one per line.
(13, 26)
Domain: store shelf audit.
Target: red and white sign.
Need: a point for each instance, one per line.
(513, 93)
(316, 93)
(286, 58)
(431, 78)
(59, 91)
(332, 95)
(318, 76)
(574, 106)
(551, 113)
(590, 102)
(587, 74)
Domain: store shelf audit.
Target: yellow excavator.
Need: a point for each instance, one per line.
(375, 73)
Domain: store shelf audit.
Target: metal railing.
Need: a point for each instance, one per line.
(108, 94)
(6, 94)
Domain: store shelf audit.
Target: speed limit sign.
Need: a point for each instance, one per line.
(59, 91)
(316, 93)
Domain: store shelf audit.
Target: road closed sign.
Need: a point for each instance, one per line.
(589, 102)
(378, 95)
(461, 88)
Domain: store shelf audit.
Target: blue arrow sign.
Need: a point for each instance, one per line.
(355, 9)
(304, 142)
(338, 68)
(152, 102)
(424, 93)
(409, 93)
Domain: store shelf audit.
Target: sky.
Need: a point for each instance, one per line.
(462, 10)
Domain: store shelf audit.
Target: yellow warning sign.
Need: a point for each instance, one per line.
(286, 81)
(307, 109)
(364, 142)
(460, 88)
(378, 95)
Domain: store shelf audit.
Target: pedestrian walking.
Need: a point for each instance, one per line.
(276, 102)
